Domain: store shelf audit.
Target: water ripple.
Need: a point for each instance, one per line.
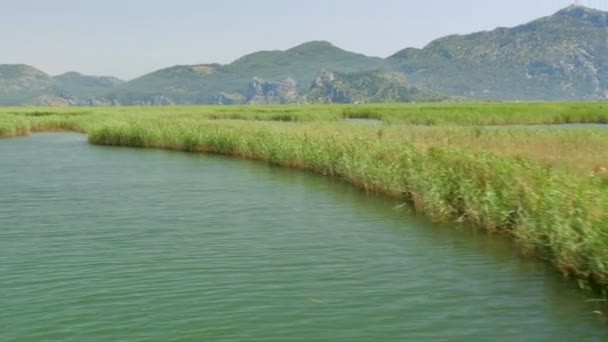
(108, 244)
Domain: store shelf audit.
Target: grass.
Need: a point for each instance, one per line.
(435, 114)
(582, 152)
(545, 188)
(11, 126)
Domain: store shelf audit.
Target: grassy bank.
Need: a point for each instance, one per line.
(544, 188)
(12, 126)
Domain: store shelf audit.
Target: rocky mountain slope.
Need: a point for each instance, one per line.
(363, 87)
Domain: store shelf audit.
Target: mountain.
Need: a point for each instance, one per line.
(362, 87)
(84, 86)
(20, 83)
(202, 84)
(560, 57)
(302, 62)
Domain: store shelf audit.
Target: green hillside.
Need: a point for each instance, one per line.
(201, 84)
(560, 57)
(20, 84)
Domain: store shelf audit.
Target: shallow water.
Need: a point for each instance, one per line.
(106, 244)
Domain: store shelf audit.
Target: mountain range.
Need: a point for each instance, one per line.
(559, 57)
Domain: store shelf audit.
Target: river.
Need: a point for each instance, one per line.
(107, 244)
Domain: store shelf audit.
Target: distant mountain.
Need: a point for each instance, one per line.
(560, 57)
(363, 87)
(302, 62)
(333, 87)
(202, 84)
(23, 84)
(86, 86)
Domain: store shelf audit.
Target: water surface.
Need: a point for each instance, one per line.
(116, 244)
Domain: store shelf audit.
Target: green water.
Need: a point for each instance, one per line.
(117, 244)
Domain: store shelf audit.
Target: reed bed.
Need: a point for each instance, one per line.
(435, 114)
(582, 152)
(11, 126)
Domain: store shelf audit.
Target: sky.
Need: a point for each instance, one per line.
(128, 38)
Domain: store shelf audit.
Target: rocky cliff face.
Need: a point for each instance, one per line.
(155, 100)
(66, 100)
(272, 92)
(224, 98)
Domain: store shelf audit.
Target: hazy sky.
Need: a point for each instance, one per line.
(127, 38)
